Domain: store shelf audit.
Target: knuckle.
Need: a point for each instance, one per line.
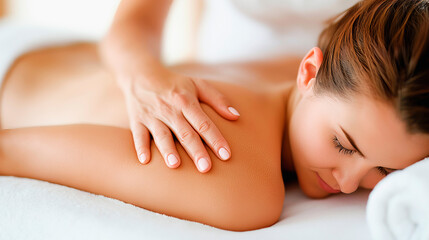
(177, 119)
(165, 108)
(142, 121)
(217, 143)
(193, 110)
(195, 105)
(186, 135)
(165, 111)
(162, 134)
(204, 126)
(181, 99)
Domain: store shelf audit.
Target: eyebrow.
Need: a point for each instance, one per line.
(352, 142)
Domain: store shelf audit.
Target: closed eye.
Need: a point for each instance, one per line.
(385, 171)
(347, 151)
(340, 147)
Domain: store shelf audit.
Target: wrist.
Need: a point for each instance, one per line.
(147, 75)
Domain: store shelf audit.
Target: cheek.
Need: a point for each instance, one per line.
(310, 139)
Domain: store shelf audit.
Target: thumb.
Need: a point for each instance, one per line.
(211, 96)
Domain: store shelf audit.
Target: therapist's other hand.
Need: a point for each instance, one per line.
(171, 105)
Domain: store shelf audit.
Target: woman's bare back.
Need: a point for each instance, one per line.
(65, 85)
(61, 85)
(69, 85)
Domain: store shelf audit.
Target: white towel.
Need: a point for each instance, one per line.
(398, 207)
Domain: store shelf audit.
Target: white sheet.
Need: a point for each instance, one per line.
(32, 209)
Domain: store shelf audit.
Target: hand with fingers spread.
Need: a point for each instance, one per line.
(171, 106)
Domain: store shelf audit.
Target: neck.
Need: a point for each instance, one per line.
(291, 98)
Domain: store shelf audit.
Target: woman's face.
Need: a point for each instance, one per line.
(338, 146)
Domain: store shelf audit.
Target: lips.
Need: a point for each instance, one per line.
(326, 186)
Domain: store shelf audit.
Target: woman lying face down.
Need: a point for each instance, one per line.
(357, 112)
(365, 113)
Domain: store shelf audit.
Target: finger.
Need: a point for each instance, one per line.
(207, 130)
(192, 143)
(210, 95)
(141, 138)
(165, 143)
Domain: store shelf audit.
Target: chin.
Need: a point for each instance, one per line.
(315, 194)
(310, 191)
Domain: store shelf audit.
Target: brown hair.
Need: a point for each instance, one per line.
(380, 48)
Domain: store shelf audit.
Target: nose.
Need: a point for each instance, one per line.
(349, 176)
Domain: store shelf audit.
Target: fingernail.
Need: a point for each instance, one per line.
(203, 164)
(223, 153)
(234, 111)
(172, 160)
(142, 158)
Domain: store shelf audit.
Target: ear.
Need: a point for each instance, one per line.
(308, 69)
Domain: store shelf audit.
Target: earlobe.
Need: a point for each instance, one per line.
(308, 69)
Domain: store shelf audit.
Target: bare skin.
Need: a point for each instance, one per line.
(284, 126)
(92, 148)
(2, 8)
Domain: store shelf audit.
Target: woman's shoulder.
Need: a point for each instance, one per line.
(254, 170)
(259, 130)
(252, 177)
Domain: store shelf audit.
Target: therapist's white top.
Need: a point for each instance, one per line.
(234, 30)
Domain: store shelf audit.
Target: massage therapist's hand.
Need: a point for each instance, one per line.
(169, 104)
(160, 102)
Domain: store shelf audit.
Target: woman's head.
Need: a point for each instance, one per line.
(380, 48)
(362, 102)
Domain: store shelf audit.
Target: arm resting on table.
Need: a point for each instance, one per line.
(102, 160)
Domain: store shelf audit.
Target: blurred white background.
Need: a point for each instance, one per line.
(209, 31)
(89, 17)
(92, 19)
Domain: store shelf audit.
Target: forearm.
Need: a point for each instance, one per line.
(132, 46)
(102, 160)
(78, 156)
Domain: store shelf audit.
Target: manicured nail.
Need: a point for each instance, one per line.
(203, 164)
(142, 158)
(234, 111)
(172, 160)
(223, 153)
